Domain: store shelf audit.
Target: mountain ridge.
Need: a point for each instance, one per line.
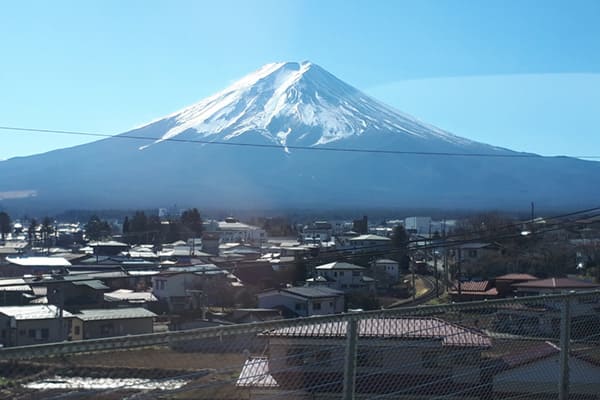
(292, 104)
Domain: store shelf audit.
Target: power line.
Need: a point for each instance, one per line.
(293, 147)
(464, 237)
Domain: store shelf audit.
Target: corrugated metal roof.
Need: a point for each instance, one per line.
(33, 312)
(39, 261)
(115, 313)
(130, 295)
(448, 333)
(340, 266)
(313, 291)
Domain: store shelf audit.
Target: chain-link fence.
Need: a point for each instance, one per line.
(532, 348)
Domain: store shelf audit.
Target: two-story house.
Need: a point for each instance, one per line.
(345, 276)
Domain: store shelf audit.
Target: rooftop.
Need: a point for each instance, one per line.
(338, 265)
(33, 312)
(556, 283)
(115, 313)
(448, 333)
(517, 277)
(370, 237)
(39, 261)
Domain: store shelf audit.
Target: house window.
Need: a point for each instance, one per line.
(472, 253)
(331, 304)
(77, 330)
(45, 334)
(22, 332)
(335, 274)
(316, 305)
(31, 333)
(356, 273)
(341, 273)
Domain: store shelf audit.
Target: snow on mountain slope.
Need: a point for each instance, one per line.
(287, 102)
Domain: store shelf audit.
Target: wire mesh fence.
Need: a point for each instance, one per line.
(532, 348)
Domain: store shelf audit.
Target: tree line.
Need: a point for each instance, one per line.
(151, 229)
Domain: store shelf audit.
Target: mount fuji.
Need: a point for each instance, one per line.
(292, 135)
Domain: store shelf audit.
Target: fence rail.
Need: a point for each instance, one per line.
(531, 347)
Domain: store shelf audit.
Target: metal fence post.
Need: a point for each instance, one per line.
(565, 340)
(350, 361)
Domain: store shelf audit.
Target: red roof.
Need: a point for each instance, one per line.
(517, 277)
(448, 333)
(556, 283)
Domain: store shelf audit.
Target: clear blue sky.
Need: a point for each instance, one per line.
(520, 74)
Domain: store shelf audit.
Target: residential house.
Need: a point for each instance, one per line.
(345, 276)
(303, 301)
(33, 324)
(100, 323)
(185, 288)
(316, 232)
(411, 354)
(232, 231)
(536, 370)
(472, 290)
(388, 269)
(504, 282)
(542, 317)
(370, 244)
(37, 265)
(473, 252)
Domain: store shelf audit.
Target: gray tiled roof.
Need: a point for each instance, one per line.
(426, 328)
(115, 313)
(313, 292)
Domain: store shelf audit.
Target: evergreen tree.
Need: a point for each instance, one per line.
(5, 224)
(96, 229)
(126, 225)
(31, 231)
(46, 230)
(191, 223)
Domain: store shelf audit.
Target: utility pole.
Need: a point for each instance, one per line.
(436, 274)
(458, 272)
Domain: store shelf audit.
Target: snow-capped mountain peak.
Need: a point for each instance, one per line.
(295, 104)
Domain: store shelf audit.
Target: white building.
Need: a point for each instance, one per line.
(345, 276)
(387, 267)
(233, 231)
(418, 225)
(304, 301)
